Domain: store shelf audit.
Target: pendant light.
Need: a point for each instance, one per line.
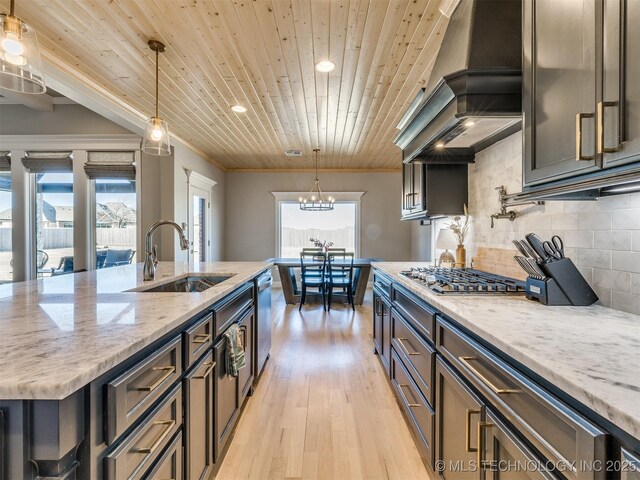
(20, 63)
(156, 135)
(315, 201)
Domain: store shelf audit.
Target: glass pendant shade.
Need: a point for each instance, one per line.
(20, 63)
(156, 137)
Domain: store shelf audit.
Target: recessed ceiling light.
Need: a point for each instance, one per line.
(439, 145)
(469, 123)
(325, 66)
(239, 108)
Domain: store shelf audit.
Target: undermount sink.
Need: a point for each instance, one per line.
(190, 283)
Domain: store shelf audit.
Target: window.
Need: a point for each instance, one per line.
(297, 227)
(6, 253)
(115, 222)
(53, 223)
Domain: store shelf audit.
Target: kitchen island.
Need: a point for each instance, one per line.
(92, 364)
(566, 379)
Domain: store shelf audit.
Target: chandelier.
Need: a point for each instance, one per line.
(315, 201)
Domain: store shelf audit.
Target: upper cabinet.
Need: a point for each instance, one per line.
(581, 100)
(433, 190)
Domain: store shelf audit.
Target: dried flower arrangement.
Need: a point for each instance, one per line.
(459, 227)
(323, 244)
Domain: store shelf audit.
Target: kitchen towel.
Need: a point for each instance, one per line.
(235, 350)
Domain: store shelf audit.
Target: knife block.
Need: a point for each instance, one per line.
(563, 285)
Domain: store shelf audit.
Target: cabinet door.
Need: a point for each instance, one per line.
(199, 419)
(245, 375)
(407, 188)
(619, 111)
(560, 88)
(225, 400)
(505, 457)
(377, 323)
(418, 195)
(386, 334)
(458, 413)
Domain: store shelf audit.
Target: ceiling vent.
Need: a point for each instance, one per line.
(293, 153)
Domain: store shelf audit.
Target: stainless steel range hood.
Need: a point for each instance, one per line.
(474, 94)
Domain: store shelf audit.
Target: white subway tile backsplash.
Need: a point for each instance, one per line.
(578, 239)
(564, 221)
(594, 258)
(627, 302)
(635, 283)
(604, 296)
(626, 261)
(601, 237)
(626, 219)
(595, 221)
(613, 239)
(611, 279)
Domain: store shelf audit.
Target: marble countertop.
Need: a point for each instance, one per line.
(591, 353)
(58, 334)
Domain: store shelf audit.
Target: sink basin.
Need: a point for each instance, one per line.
(190, 283)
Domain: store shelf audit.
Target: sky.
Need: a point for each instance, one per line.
(342, 215)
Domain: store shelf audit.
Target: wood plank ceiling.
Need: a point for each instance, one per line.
(260, 54)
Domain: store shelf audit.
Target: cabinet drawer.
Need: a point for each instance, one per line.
(138, 450)
(197, 339)
(383, 284)
(552, 427)
(421, 316)
(415, 406)
(504, 455)
(169, 465)
(417, 355)
(131, 393)
(228, 311)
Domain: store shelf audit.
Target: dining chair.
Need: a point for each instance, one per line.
(336, 249)
(312, 274)
(340, 272)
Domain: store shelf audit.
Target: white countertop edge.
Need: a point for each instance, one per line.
(629, 422)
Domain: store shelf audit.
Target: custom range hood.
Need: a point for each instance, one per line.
(474, 94)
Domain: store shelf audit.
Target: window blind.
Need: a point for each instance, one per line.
(110, 165)
(48, 162)
(5, 162)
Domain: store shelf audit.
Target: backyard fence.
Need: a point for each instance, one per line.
(63, 237)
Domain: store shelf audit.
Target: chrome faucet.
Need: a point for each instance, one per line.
(151, 260)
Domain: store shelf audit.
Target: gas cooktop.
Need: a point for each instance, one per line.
(463, 281)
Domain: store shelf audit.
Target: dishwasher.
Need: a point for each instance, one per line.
(262, 336)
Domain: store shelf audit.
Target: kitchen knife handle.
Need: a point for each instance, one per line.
(537, 244)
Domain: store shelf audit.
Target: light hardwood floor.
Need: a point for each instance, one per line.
(323, 407)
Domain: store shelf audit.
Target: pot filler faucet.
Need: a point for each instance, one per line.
(150, 262)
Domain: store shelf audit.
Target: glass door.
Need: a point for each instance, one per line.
(199, 225)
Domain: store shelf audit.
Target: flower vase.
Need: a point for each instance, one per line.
(461, 257)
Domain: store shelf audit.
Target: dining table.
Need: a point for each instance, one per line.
(287, 271)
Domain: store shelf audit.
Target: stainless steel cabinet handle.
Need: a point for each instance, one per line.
(498, 391)
(168, 372)
(601, 147)
(481, 427)
(169, 426)
(210, 366)
(411, 405)
(467, 430)
(202, 338)
(402, 340)
(379, 308)
(579, 118)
